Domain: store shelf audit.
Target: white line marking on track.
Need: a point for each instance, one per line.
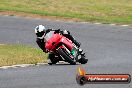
(112, 24)
(6, 15)
(41, 63)
(2, 44)
(84, 22)
(21, 65)
(97, 23)
(124, 25)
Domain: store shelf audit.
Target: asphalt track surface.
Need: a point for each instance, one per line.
(108, 48)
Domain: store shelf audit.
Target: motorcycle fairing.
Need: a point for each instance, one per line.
(52, 40)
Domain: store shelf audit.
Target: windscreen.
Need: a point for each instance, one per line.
(48, 35)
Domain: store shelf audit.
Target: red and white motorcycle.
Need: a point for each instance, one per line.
(64, 49)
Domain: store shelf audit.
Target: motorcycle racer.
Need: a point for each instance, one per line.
(41, 31)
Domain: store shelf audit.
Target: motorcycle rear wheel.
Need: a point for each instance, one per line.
(51, 57)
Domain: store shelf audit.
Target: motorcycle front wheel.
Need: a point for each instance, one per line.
(83, 60)
(64, 54)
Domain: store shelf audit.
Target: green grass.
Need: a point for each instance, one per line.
(105, 11)
(20, 54)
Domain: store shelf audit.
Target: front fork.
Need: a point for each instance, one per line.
(77, 53)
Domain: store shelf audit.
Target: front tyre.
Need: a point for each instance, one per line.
(83, 60)
(66, 56)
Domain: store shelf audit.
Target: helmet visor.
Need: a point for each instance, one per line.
(40, 34)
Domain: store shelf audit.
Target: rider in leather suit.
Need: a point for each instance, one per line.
(41, 31)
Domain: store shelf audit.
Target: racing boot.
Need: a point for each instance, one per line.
(80, 51)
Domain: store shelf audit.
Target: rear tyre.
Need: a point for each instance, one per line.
(52, 62)
(66, 56)
(52, 59)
